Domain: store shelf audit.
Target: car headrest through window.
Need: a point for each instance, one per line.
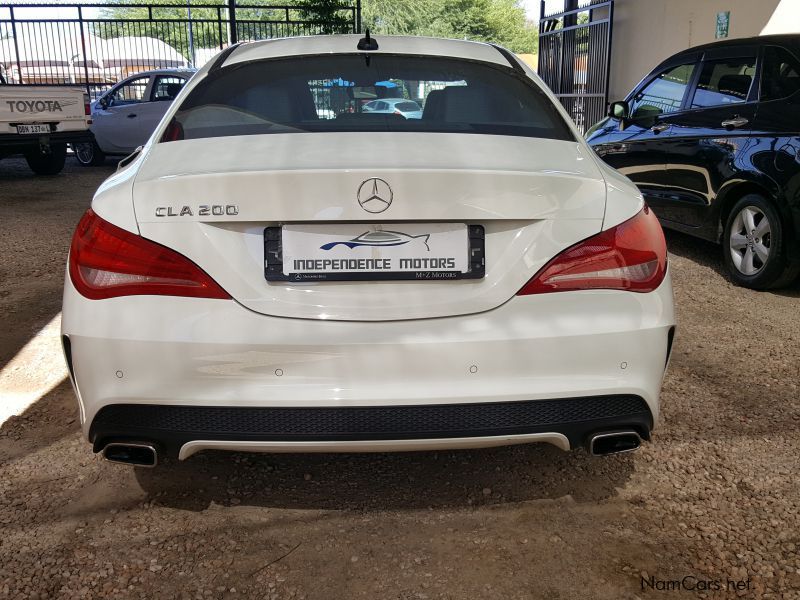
(467, 105)
(433, 106)
(173, 89)
(735, 85)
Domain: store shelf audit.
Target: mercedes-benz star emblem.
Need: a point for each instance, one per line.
(374, 195)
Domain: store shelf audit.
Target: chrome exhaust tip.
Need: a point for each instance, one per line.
(136, 454)
(614, 442)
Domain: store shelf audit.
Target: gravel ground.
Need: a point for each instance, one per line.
(711, 503)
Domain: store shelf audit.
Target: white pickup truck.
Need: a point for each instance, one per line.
(39, 121)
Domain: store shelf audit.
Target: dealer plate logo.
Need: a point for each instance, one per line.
(374, 195)
(379, 238)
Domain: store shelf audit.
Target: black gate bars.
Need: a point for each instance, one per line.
(95, 45)
(575, 56)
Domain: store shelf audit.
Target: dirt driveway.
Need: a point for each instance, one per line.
(710, 508)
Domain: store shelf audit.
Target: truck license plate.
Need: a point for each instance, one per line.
(33, 128)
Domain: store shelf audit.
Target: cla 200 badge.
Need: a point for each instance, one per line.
(204, 210)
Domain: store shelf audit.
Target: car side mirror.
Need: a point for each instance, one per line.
(619, 110)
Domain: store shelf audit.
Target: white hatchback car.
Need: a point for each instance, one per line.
(259, 278)
(400, 106)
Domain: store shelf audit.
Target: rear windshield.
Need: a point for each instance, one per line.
(354, 93)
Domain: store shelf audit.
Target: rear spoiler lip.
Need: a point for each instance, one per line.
(512, 60)
(223, 56)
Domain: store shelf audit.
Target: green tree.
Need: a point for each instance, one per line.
(498, 21)
(334, 16)
(510, 27)
(468, 19)
(404, 17)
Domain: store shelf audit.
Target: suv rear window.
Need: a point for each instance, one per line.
(329, 93)
(780, 77)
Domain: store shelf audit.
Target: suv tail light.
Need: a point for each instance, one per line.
(106, 261)
(87, 105)
(631, 256)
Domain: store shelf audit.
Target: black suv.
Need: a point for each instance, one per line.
(712, 138)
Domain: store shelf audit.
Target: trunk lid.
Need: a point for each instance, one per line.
(211, 200)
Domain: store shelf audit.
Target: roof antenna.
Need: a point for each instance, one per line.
(367, 43)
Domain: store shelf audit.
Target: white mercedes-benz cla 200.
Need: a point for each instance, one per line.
(279, 270)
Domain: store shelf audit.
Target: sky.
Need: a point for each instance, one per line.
(531, 9)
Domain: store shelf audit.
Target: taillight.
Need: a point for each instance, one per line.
(106, 261)
(173, 132)
(87, 105)
(631, 256)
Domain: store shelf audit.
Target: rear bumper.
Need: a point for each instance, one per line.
(192, 373)
(17, 143)
(182, 430)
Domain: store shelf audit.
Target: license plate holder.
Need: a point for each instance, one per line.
(33, 128)
(274, 268)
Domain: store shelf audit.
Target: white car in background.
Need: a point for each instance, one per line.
(260, 278)
(125, 116)
(397, 106)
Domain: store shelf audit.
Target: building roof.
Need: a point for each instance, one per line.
(66, 49)
(140, 50)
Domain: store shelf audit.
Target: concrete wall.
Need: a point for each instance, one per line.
(648, 31)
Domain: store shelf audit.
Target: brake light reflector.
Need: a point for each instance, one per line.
(173, 132)
(106, 261)
(631, 256)
(87, 105)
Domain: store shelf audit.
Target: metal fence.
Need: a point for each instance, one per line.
(96, 45)
(575, 56)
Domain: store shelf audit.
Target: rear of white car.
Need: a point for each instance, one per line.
(264, 279)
